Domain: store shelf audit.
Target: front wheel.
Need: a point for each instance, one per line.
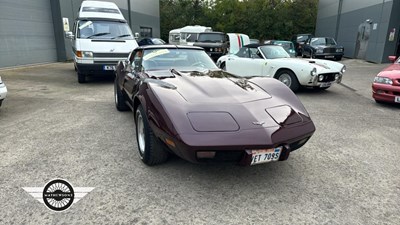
(289, 79)
(151, 150)
(1, 102)
(338, 58)
(119, 98)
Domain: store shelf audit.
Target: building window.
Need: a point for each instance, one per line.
(146, 32)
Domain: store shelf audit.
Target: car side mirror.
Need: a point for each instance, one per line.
(69, 35)
(136, 36)
(392, 58)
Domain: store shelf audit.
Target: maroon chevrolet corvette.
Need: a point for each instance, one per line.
(183, 104)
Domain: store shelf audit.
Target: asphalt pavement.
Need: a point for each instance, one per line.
(52, 127)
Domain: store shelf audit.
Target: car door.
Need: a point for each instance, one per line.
(249, 64)
(132, 73)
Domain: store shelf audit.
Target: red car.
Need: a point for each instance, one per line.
(386, 86)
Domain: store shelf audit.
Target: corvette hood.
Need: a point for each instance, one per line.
(214, 87)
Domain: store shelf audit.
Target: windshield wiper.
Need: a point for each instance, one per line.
(98, 34)
(120, 36)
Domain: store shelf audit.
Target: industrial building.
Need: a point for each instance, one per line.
(32, 32)
(368, 29)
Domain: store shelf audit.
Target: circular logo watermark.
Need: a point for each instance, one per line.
(58, 195)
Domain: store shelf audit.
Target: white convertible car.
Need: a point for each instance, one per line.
(3, 91)
(274, 61)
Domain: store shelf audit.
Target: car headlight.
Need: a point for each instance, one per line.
(321, 77)
(383, 80)
(339, 50)
(84, 54)
(343, 69)
(320, 50)
(313, 72)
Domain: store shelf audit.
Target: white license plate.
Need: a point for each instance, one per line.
(108, 67)
(397, 99)
(265, 155)
(326, 84)
(329, 56)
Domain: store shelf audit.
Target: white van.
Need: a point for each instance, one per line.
(174, 36)
(189, 34)
(100, 38)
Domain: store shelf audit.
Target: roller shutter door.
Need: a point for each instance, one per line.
(26, 32)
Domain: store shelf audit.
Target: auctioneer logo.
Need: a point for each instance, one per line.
(58, 194)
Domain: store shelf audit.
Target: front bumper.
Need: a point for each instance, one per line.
(328, 80)
(385, 92)
(237, 149)
(329, 55)
(3, 91)
(95, 68)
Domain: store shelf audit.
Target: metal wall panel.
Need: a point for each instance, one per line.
(27, 34)
(354, 13)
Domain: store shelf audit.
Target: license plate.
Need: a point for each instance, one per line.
(325, 84)
(108, 67)
(265, 155)
(397, 99)
(329, 56)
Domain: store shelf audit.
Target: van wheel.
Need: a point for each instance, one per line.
(1, 102)
(81, 78)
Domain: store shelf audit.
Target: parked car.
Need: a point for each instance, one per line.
(287, 45)
(254, 41)
(298, 41)
(3, 91)
(151, 41)
(274, 61)
(184, 104)
(322, 47)
(386, 86)
(214, 43)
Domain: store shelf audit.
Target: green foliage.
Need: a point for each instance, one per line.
(261, 19)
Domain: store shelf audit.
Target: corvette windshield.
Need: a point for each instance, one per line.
(179, 59)
(274, 52)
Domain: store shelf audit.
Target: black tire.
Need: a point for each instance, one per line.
(153, 152)
(312, 54)
(119, 98)
(289, 79)
(1, 102)
(379, 102)
(338, 58)
(81, 78)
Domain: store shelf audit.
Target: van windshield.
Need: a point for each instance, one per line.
(103, 29)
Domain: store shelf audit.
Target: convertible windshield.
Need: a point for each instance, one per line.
(179, 59)
(322, 41)
(274, 52)
(99, 29)
(204, 37)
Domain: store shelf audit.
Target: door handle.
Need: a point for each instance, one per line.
(231, 59)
